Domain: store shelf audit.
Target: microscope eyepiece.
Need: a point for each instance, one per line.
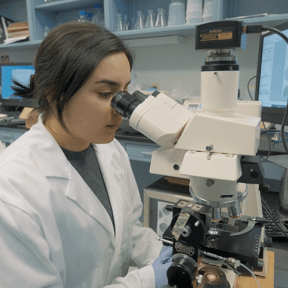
(125, 103)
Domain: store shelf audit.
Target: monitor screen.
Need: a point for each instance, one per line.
(20, 72)
(272, 75)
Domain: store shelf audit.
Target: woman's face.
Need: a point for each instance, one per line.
(88, 115)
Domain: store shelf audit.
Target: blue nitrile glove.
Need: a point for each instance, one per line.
(161, 265)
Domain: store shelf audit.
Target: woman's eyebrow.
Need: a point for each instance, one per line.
(109, 82)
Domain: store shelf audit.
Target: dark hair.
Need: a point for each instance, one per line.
(65, 60)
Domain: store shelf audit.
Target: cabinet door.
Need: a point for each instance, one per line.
(57, 12)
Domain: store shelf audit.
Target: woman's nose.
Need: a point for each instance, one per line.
(114, 112)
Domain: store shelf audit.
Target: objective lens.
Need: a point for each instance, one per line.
(125, 103)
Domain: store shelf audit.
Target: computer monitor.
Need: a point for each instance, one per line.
(272, 75)
(20, 72)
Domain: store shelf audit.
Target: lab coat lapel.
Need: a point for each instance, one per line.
(110, 175)
(79, 191)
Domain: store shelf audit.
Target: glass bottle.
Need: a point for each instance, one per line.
(46, 31)
(83, 16)
(98, 17)
(119, 23)
(125, 23)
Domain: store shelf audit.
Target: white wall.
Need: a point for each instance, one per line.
(176, 64)
(173, 65)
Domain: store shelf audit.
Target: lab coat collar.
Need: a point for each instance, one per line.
(48, 152)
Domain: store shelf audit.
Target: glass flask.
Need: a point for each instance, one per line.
(150, 19)
(139, 20)
(160, 20)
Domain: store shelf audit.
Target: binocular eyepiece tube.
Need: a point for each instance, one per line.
(125, 103)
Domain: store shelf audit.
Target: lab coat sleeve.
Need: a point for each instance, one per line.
(146, 248)
(24, 256)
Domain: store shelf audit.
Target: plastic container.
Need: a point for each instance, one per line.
(194, 5)
(208, 11)
(193, 21)
(194, 12)
(83, 16)
(176, 13)
(90, 17)
(98, 17)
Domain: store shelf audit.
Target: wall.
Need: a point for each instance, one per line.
(174, 65)
(180, 64)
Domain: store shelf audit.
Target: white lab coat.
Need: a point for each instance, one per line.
(54, 232)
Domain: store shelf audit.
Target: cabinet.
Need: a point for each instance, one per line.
(9, 135)
(139, 151)
(40, 14)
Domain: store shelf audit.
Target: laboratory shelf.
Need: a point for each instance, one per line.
(21, 45)
(273, 19)
(41, 16)
(64, 5)
(183, 30)
(189, 30)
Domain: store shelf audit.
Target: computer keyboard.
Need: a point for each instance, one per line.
(272, 230)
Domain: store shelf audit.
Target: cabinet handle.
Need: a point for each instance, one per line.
(147, 153)
(7, 136)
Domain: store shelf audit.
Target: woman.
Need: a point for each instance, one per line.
(69, 201)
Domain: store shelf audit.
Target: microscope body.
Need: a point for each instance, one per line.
(215, 149)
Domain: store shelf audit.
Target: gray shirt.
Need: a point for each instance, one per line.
(86, 164)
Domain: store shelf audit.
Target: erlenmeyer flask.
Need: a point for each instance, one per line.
(150, 19)
(160, 20)
(139, 20)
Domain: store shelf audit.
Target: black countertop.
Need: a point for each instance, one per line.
(135, 137)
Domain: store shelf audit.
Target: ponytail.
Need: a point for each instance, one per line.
(22, 90)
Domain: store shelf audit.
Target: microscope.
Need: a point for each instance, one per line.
(215, 149)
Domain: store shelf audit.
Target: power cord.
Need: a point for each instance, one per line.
(248, 88)
(251, 274)
(279, 207)
(269, 142)
(271, 216)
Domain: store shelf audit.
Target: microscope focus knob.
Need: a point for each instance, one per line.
(182, 271)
